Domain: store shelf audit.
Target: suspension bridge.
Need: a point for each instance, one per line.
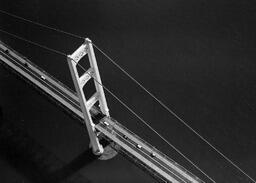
(94, 113)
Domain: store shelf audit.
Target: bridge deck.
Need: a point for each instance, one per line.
(156, 163)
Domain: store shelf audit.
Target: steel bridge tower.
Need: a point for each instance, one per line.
(80, 81)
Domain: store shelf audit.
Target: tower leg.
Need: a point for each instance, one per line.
(96, 146)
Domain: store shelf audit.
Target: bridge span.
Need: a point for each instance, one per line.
(157, 164)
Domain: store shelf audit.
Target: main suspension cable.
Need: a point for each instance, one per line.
(41, 25)
(141, 86)
(33, 43)
(118, 99)
(173, 113)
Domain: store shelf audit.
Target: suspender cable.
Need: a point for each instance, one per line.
(118, 99)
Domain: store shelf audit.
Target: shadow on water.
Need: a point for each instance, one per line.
(35, 162)
(80, 161)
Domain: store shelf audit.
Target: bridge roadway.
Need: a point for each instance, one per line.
(140, 152)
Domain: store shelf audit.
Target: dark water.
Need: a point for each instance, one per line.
(196, 56)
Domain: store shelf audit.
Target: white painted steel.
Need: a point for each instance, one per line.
(96, 146)
(86, 77)
(43, 84)
(79, 53)
(94, 98)
(79, 82)
(97, 81)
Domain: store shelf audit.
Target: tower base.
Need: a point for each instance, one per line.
(108, 153)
